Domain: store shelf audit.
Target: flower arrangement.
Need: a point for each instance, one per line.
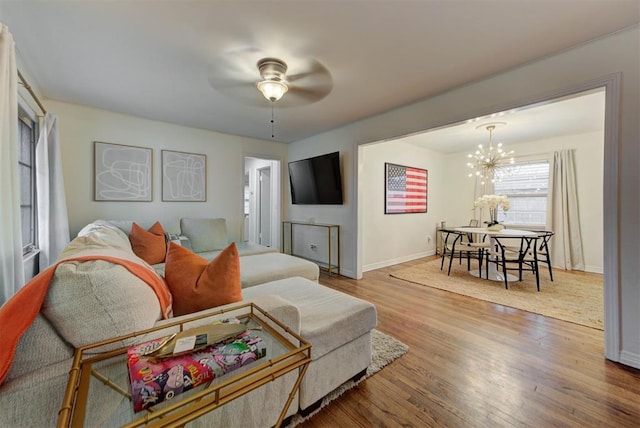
(492, 202)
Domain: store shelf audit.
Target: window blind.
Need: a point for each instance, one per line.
(527, 186)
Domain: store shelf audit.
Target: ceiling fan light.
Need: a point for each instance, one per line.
(272, 90)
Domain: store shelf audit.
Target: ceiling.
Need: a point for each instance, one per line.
(577, 114)
(157, 59)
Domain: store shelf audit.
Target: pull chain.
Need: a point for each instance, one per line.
(272, 133)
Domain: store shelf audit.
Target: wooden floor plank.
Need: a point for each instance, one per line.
(475, 363)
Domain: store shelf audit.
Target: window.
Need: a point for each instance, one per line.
(27, 171)
(527, 186)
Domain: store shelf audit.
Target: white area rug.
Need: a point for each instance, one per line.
(384, 349)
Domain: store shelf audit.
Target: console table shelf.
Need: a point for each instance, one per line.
(330, 227)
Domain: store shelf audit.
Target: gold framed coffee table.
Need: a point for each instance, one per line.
(98, 385)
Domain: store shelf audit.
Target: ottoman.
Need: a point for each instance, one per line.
(338, 327)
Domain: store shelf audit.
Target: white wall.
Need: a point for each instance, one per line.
(394, 238)
(617, 53)
(330, 214)
(80, 126)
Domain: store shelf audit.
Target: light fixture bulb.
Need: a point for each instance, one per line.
(274, 82)
(272, 90)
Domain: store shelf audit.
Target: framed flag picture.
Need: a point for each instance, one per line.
(405, 189)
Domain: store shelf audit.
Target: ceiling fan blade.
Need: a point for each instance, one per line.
(302, 96)
(239, 61)
(299, 76)
(223, 82)
(312, 69)
(239, 91)
(235, 76)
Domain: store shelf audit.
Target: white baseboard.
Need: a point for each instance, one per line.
(630, 359)
(594, 269)
(385, 263)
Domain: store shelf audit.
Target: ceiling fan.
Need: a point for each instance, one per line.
(271, 80)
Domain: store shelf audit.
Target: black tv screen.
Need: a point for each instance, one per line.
(316, 180)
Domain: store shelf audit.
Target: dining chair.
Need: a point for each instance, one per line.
(473, 245)
(514, 254)
(449, 240)
(477, 242)
(458, 245)
(543, 253)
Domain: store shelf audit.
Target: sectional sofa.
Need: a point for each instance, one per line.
(95, 299)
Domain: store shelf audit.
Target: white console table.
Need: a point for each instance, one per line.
(330, 227)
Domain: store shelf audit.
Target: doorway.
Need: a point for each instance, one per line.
(611, 250)
(572, 121)
(262, 201)
(264, 206)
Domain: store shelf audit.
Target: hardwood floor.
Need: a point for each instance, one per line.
(476, 364)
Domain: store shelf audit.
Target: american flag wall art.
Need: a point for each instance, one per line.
(405, 189)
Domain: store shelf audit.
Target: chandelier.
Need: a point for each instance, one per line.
(489, 163)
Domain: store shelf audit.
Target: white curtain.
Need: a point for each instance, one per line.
(566, 248)
(53, 223)
(11, 267)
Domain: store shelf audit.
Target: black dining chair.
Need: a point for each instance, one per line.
(460, 245)
(543, 253)
(514, 254)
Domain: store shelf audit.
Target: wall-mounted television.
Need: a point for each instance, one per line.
(316, 180)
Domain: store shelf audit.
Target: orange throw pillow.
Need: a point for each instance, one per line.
(197, 284)
(150, 245)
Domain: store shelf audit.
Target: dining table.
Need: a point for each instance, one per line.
(483, 232)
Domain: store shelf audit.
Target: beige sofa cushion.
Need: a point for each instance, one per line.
(205, 234)
(244, 249)
(267, 267)
(94, 300)
(34, 400)
(38, 347)
(125, 225)
(95, 238)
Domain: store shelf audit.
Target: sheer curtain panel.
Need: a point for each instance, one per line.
(11, 266)
(566, 251)
(53, 223)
